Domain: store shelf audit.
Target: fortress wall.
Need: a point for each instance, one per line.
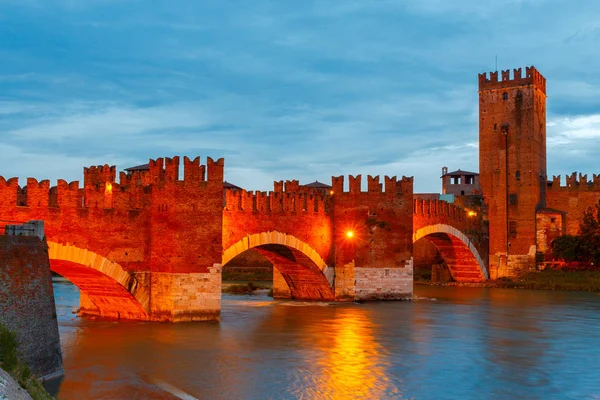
(27, 303)
(381, 247)
(575, 197)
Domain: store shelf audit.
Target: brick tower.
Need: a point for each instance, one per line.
(512, 165)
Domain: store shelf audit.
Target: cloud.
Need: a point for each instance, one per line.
(284, 90)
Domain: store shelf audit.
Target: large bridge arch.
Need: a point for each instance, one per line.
(306, 273)
(112, 291)
(463, 259)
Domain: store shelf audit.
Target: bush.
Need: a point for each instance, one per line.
(568, 248)
(9, 359)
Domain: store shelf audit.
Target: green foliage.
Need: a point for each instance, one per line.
(585, 247)
(568, 248)
(243, 289)
(258, 275)
(422, 274)
(9, 359)
(551, 279)
(590, 234)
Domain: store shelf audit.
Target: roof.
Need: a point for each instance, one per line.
(143, 167)
(549, 211)
(228, 185)
(317, 185)
(460, 172)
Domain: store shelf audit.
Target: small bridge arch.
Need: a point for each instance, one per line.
(461, 256)
(112, 291)
(306, 273)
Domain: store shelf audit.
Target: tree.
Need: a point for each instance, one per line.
(568, 248)
(584, 247)
(590, 234)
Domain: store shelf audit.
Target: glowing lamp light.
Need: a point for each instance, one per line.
(108, 187)
(331, 192)
(471, 213)
(349, 234)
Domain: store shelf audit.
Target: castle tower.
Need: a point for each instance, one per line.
(512, 165)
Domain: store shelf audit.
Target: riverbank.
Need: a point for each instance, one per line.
(548, 279)
(248, 287)
(14, 372)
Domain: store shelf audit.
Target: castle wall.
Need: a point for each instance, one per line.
(27, 303)
(573, 198)
(169, 226)
(301, 215)
(381, 247)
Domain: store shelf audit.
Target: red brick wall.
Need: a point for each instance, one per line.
(301, 215)
(574, 198)
(380, 219)
(512, 157)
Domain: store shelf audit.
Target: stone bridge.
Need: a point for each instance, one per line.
(151, 246)
(456, 234)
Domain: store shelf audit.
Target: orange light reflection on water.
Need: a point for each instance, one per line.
(353, 366)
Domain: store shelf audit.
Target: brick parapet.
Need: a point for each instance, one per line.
(574, 182)
(393, 186)
(274, 202)
(532, 77)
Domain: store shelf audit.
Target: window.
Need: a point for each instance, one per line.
(518, 175)
(469, 179)
(504, 96)
(455, 180)
(512, 199)
(495, 126)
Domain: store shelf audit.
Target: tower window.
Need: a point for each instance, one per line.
(495, 126)
(512, 199)
(518, 175)
(468, 179)
(505, 96)
(455, 180)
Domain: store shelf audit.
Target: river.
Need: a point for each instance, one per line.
(449, 343)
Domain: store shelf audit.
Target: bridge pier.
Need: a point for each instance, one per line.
(181, 297)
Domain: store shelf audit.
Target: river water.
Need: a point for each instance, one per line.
(449, 343)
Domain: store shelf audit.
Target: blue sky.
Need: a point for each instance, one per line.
(285, 89)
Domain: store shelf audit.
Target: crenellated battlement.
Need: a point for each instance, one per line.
(574, 182)
(392, 185)
(165, 170)
(99, 175)
(100, 190)
(292, 186)
(274, 202)
(532, 77)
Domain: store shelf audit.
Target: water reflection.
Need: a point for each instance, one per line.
(452, 343)
(352, 365)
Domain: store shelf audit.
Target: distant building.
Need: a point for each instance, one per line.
(320, 187)
(460, 183)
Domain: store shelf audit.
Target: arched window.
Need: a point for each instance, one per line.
(505, 96)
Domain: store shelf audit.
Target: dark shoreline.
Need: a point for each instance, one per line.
(549, 279)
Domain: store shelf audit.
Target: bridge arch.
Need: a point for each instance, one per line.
(107, 289)
(306, 273)
(463, 259)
